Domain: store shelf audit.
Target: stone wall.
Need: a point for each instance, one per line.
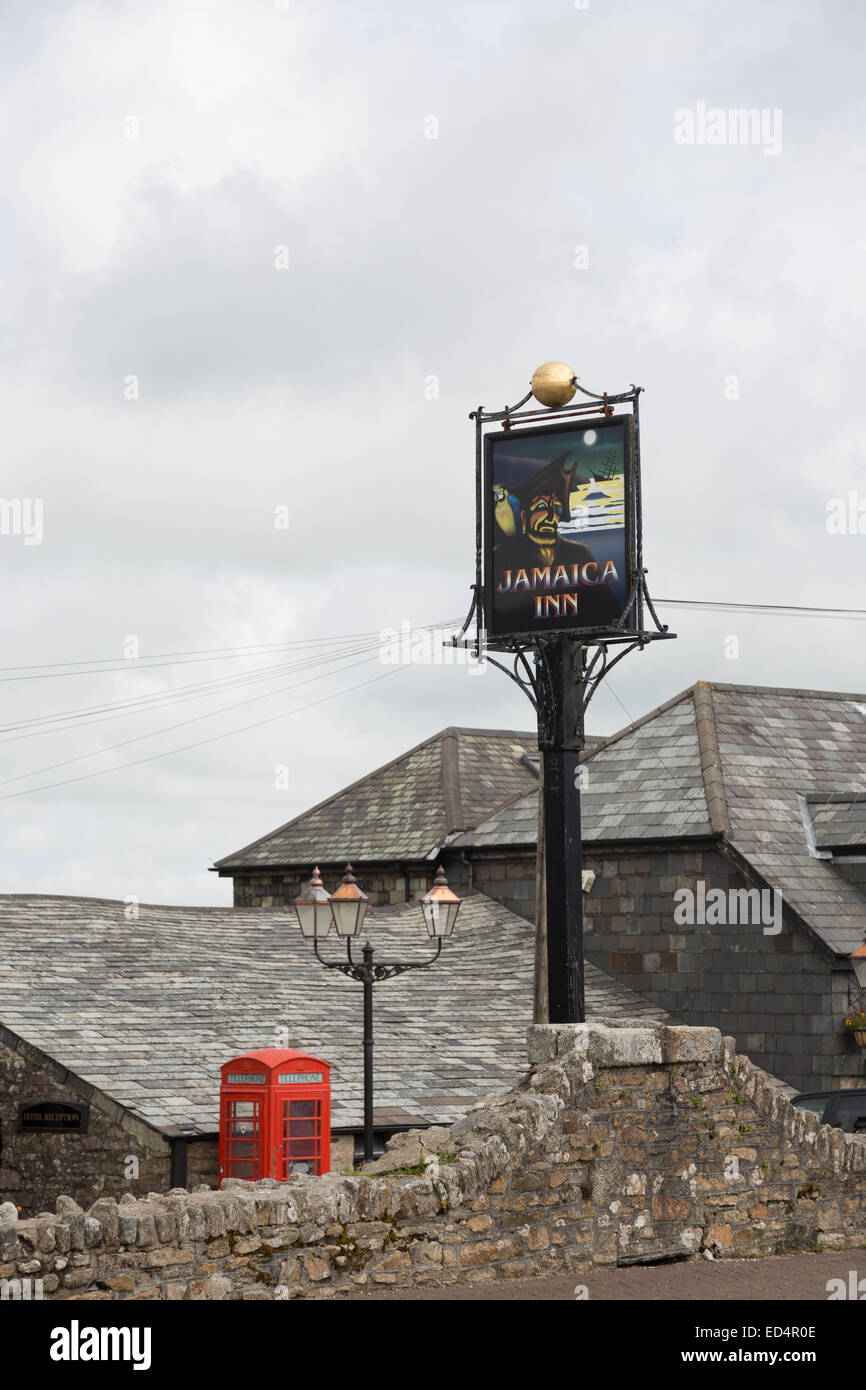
(622, 1144)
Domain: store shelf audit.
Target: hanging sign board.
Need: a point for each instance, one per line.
(559, 530)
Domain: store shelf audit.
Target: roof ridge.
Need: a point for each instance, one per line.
(834, 798)
(711, 758)
(491, 733)
(799, 691)
(227, 908)
(451, 788)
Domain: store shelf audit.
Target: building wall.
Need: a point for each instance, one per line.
(203, 1163)
(36, 1168)
(775, 994)
(507, 876)
(854, 869)
(383, 883)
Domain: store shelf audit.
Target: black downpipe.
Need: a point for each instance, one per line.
(178, 1162)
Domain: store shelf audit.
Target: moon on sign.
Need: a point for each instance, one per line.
(590, 437)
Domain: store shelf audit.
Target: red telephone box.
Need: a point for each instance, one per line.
(275, 1115)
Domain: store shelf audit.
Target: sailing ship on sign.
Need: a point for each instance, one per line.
(597, 505)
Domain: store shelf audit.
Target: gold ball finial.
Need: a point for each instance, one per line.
(553, 383)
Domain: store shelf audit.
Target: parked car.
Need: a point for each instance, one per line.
(845, 1109)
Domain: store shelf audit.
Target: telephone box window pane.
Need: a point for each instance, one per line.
(302, 1167)
(302, 1128)
(243, 1127)
(243, 1107)
(301, 1109)
(243, 1170)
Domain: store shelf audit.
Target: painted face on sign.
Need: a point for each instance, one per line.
(540, 522)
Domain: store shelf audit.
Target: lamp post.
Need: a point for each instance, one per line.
(345, 910)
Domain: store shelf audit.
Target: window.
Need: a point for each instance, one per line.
(242, 1143)
(301, 1138)
(817, 1104)
(851, 1115)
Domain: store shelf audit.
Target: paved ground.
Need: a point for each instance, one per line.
(785, 1277)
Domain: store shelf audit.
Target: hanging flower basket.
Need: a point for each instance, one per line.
(856, 1023)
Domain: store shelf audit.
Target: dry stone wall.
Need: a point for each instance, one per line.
(621, 1144)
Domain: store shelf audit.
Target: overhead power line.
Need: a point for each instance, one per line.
(368, 651)
(199, 690)
(184, 723)
(98, 665)
(215, 738)
(795, 610)
(310, 652)
(101, 665)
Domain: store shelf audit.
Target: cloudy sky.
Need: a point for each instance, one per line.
(261, 259)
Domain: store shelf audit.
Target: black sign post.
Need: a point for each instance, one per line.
(559, 584)
(560, 740)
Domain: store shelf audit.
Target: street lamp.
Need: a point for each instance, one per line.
(349, 906)
(346, 909)
(314, 908)
(440, 907)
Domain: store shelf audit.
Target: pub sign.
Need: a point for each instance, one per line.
(559, 529)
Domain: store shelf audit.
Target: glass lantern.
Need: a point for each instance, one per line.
(348, 905)
(440, 906)
(314, 908)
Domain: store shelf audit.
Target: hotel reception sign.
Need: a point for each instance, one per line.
(53, 1117)
(559, 529)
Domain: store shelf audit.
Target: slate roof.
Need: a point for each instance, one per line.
(839, 821)
(777, 746)
(744, 763)
(406, 809)
(648, 785)
(147, 1011)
